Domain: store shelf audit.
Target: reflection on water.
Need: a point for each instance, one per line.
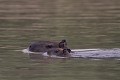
(83, 23)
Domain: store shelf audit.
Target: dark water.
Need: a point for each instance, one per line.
(83, 23)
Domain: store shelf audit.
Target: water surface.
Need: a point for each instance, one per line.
(85, 24)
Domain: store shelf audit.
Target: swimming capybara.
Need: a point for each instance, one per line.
(44, 46)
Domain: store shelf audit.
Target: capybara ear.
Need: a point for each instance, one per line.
(49, 46)
(69, 50)
(63, 40)
(63, 44)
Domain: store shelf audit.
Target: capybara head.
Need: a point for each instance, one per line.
(44, 46)
(59, 52)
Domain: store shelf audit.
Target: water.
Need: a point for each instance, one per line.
(113, 53)
(85, 24)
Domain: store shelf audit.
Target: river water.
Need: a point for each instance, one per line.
(85, 24)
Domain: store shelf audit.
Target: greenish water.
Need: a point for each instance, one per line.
(16, 65)
(83, 23)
